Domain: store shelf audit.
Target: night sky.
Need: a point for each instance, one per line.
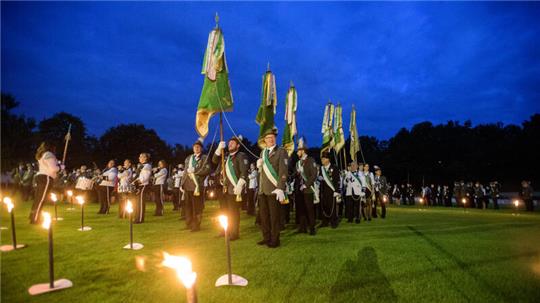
(399, 63)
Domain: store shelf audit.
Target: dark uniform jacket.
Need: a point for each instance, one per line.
(381, 185)
(279, 159)
(202, 169)
(310, 172)
(333, 174)
(240, 165)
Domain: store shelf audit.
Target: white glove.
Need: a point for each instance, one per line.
(280, 195)
(337, 195)
(190, 170)
(259, 163)
(302, 187)
(220, 147)
(182, 190)
(239, 186)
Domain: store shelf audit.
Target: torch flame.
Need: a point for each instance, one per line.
(53, 197)
(223, 221)
(421, 200)
(211, 194)
(80, 200)
(182, 266)
(129, 207)
(70, 193)
(463, 200)
(9, 204)
(46, 220)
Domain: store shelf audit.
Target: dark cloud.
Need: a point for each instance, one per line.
(399, 63)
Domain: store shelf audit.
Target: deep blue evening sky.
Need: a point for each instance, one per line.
(399, 63)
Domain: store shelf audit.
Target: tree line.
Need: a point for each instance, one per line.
(424, 154)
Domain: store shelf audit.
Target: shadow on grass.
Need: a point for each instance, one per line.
(362, 280)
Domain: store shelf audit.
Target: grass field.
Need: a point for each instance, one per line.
(438, 255)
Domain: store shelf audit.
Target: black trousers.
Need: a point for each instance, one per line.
(529, 206)
(352, 207)
(140, 206)
(176, 196)
(495, 202)
(305, 210)
(194, 206)
(380, 201)
(104, 198)
(270, 212)
(251, 201)
(44, 184)
(367, 206)
(158, 199)
(232, 210)
(329, 209)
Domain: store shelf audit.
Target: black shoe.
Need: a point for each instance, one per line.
(334, 226)
(273, 244)
(262, 242)
(357, 221)
(349, 221)
(313, 232)
(323, 225)
(369, 219)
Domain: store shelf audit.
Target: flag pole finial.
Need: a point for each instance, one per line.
(216, 18)
(292, 84)
(268, 66)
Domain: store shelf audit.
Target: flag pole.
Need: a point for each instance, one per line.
(67, 138)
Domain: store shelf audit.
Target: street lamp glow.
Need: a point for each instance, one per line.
(46, 220)
(80, 200)
(183, 268)
(223, 221)
(129, 207)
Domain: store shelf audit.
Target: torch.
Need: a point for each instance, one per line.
(516, 204)
(54, 199)
(70, 195)
(6, 248)
(131, 245)
(80, 200)
(229, 278)
(52, 285)
(185, 274)
(464, 201)
(421, 200)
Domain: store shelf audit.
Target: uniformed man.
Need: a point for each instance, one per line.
(198, 167)
(381, 191)
(159, 188)
(495, 192)
(353, 194)
(107, 181)
(143, 187)
(125, 189)
(526, 194)
(177, 194)
(273, 165)
(329, 192)
(306, 174)
(236, 176)
(368, 180)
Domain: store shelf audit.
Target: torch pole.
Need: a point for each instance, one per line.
(229, 267)
(51, 264)
(222, 152)
(82, 217)
(130, 231)
(55, 211)
(191, 294)
(13, 234)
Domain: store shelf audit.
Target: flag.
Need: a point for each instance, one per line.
(216, 95)
(290, 120)
(355, 144)
(267, 110)
(339, 135)
(327, 130)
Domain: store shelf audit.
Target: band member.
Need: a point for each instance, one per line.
(236, 174)
(526, 194)
(396, 194)
(381, 191)
(159, 186)
(252, 188)
(177, 194)
(48, 170)
(329, 192)
(368, 180)
(106, 187)
(306, 174)
(353, 193)
(142, 182)
(125, 174)
(495, 192)
(198, 168)
(273, 165)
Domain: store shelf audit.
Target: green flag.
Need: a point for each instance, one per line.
(339, 135)
(355, 144)
(290, 120)
(216, 95)
(327, 130)
(267, 110)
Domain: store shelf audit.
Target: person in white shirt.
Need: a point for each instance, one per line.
(106, 187)
(48, 170)
(252, 189)
(159, 186)
(353, 193)
(142, 182)
(125, 173)
(177, 194)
